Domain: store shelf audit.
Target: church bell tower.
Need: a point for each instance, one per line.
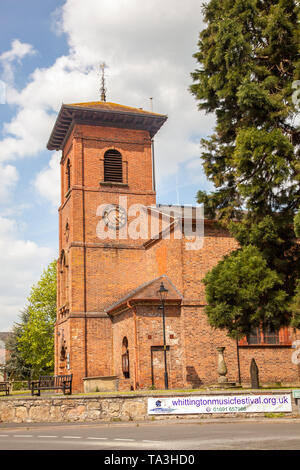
(106, 158)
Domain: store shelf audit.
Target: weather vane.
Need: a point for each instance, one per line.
(103, 66)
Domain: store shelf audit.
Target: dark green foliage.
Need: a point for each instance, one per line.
(16, 367)
(243, 292)
(297, 224)
(32, 342)
(295, 307)
(248, 58)
(295, 304)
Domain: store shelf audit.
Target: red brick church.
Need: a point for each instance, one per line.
(109, 326)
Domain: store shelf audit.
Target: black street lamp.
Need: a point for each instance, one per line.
(163, 294)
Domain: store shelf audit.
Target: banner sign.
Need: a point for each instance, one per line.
(220, 404)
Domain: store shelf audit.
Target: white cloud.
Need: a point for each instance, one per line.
(26, 134)
(17, 52)
(24, 262)
(148, 47)
(133, 32)
(47, 181)
(8, 178)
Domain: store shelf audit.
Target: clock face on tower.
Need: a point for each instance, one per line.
(115, 216)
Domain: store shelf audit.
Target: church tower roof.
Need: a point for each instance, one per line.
(105, 114)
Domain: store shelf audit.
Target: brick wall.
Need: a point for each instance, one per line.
(143, 327)
(96, 272)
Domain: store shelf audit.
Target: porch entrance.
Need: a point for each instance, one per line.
(158, 366)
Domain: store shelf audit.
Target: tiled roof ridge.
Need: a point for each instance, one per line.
(109, 105)
(130, 294)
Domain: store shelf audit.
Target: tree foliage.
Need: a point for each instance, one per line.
(243, 292)
(295, 304)
(36, 341)
(295, 307)
(248, 57)
(16, 367)
(297, 224)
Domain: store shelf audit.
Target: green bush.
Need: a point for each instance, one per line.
(19, 385)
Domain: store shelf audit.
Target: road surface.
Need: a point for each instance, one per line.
(268, 434)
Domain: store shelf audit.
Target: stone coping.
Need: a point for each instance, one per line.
(102, 377)
(146, 394)
(115, 407)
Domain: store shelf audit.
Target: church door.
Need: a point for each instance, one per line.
(158, 366)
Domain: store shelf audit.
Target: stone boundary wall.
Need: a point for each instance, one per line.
(58, 409)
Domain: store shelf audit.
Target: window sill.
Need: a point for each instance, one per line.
(265, 345)
(113, 183)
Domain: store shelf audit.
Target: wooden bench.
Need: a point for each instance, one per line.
(4, 387)
(52, 382)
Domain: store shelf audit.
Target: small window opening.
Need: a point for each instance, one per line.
(113, 171)
(68, 175)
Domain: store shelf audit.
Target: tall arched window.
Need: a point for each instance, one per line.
(68, 172)
(125, 358)
(64, 277)
(113, 170)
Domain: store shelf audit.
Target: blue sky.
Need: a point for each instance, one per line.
(50, 53)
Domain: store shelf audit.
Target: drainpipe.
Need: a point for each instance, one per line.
(153, 166)
(84, 262)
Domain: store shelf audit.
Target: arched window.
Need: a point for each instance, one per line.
(125, 358)
(113, 171)
(68, 171)
(63, 348)
(63, 279)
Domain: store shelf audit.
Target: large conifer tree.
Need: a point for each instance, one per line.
(248, 58)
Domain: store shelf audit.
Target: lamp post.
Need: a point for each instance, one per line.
(163, 293)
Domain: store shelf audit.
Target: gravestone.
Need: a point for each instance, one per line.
(254, 374)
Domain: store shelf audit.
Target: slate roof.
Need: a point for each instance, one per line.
(144, 291)
(105, 114)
